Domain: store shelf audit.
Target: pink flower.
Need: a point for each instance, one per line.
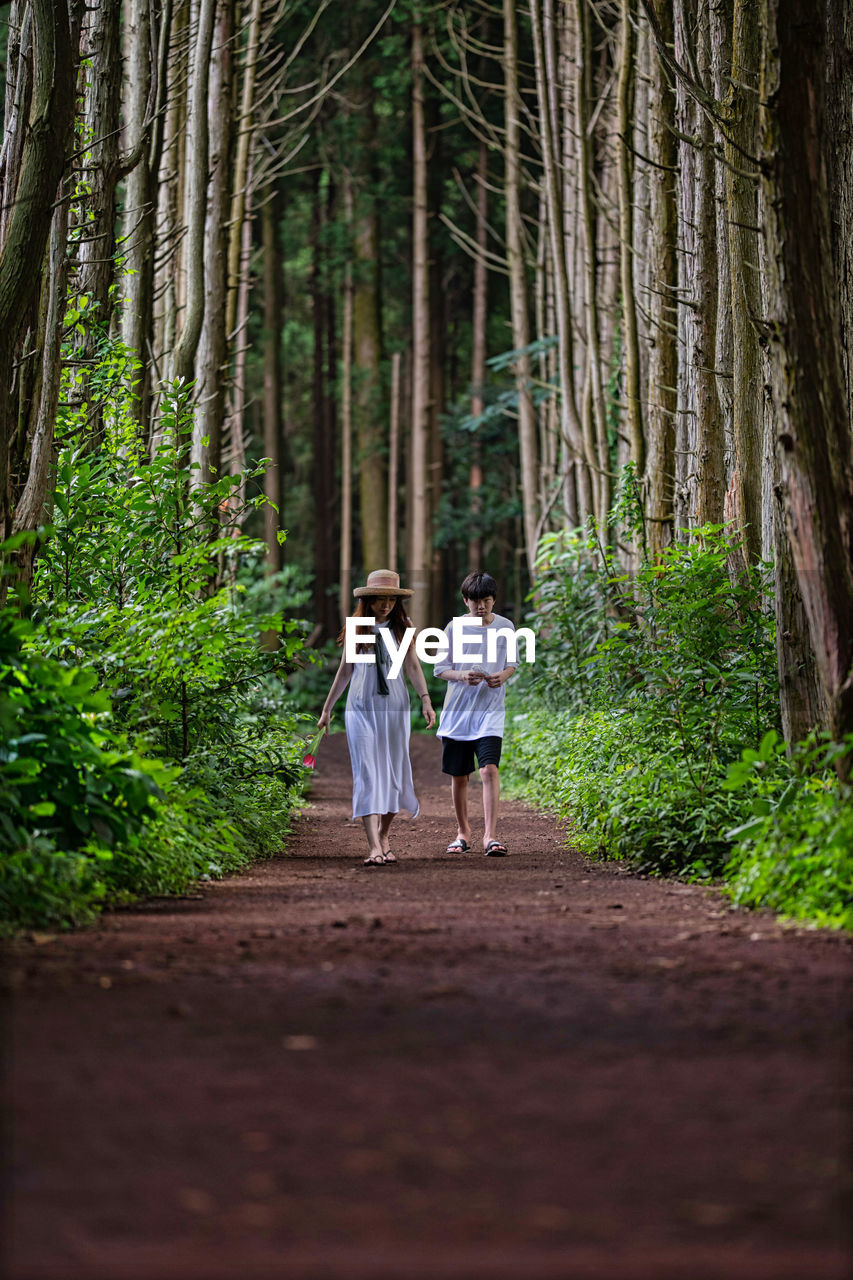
(310, 758)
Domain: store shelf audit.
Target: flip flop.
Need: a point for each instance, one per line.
(390, 857)
(376, 860)
(494, 849)
(459, 845)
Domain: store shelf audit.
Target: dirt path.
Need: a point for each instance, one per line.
(457, 1067)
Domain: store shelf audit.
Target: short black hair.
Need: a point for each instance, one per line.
(479, 585)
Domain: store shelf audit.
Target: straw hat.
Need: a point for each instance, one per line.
(382, 582)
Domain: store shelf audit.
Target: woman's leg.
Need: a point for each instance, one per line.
(384, 831)
(371, 829)
(459, 791)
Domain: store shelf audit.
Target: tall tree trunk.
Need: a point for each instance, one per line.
(741, 191)
(439, 328)
(30, 509)
(146, 86)
(518, 286)
(595, 423)
(394, 461)
(242, 160)
(544, 47)
(95, 204)
(478, 353)
(99, 166)
(325, 566)
(418, 579)
(170, 276)
(212, 354)
(235, 433)
(808, 389)
(663, 301)
(272, 286)
(346, 418)
(33, 188)
(633, 398)
(367, 377)
(197, 160)
(699, 440)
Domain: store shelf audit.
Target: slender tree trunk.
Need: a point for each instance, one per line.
(242, 159)
(518, 285)
(169, 176)
(394, 462)
(478, 353)
(99, 167)
(272, 280)
(663, 301)
(346, 418)
(30, 509)
(197, 172)
(595, 429)
(367, 377)
(98, 176)
(544, 46)
(699, 442)
(804, 323)
(19, 88)
(741, 192)
(418, 496)
(137, 282)
(633, 398)
(235, 435)
(212, 355)
(34, 187)
(325, 565)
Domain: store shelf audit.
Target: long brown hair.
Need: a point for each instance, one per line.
(398, 619)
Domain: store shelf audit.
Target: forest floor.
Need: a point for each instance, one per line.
(455, 1067)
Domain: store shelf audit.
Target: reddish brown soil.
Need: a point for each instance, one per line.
(456, 1067)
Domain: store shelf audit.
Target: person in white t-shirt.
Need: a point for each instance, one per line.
(472, 718)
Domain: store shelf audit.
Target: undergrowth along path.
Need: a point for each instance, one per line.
(455, 1067)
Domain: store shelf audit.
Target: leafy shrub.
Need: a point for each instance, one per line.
(129, 584)
(69, 795)
(148, 739)
(652, 686)
(795, 851)
(622, 797)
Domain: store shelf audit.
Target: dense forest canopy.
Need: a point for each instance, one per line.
(451, 268)
(442, 284)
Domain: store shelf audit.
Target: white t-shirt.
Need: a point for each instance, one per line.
(472, 711)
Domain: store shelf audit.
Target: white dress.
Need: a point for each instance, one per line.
(378, 729)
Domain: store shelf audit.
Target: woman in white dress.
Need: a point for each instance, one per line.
(377, 716)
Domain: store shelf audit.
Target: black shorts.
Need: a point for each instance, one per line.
(457, 757)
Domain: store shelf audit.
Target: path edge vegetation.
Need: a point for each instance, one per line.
(650, 726)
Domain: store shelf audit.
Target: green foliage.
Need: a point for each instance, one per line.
(130, 585)
(652, 725)
(794, 853)
(625, 794)
(148, 739)
(492, 437)
(69, 795)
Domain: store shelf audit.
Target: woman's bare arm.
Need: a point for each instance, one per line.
(414, 671)
(340, 682)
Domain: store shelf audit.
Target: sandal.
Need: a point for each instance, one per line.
(389, 856)
(459, 845)
(375, 860)
(494, 849)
